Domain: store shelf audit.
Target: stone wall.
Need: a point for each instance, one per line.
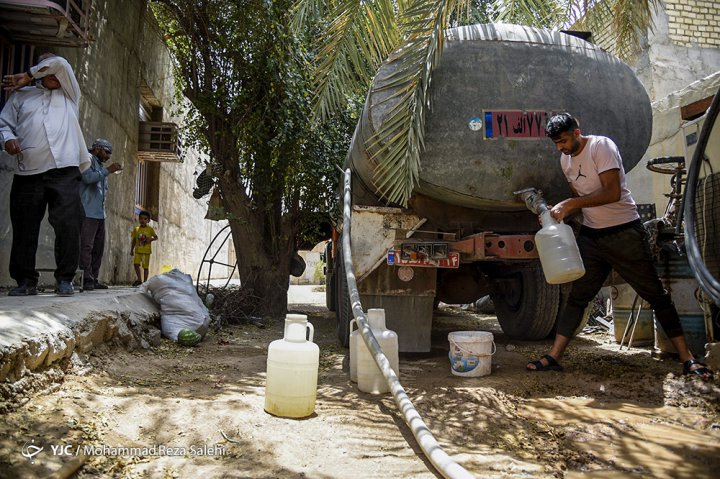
(682, 47)
(676, 70)
(668, 64)
(127, 52)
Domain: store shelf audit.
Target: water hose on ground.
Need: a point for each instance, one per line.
(430, 447)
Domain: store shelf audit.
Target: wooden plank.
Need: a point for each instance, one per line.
(695, 109)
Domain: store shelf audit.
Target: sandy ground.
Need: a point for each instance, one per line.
(198, 412)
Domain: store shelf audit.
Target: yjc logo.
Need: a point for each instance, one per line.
(31, 450)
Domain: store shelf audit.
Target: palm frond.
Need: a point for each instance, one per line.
(534, 13)
(397, 143)
(352, 45)
(632, 19)
(307, 12)
(622, 23)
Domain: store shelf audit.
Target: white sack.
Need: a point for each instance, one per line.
(180, 306)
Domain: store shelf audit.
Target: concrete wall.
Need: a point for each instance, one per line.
(679, 65)
(669, 130)
(683, 47)
(127, 51)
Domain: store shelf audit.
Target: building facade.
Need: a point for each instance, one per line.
(679, 65)
(128, 97)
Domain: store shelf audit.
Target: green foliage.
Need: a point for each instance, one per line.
(246, 76)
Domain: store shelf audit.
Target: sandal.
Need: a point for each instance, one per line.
(552, 364)
(703, 371)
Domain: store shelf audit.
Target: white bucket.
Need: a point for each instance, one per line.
(471, 353)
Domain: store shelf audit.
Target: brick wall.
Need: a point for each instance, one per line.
(694, 22)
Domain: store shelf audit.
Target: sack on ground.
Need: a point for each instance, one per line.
(180, 306)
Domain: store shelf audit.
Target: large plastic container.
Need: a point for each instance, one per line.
(678, 278)
(370, 378)
(558, 251)
(292, 370)
(624, 304)
(354, 338)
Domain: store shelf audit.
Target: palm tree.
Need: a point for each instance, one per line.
(355, 37)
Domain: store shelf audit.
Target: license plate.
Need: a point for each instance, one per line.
(452, 261)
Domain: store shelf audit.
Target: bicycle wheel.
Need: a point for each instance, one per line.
(666, 165)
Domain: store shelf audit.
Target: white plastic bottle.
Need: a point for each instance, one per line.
(558, 251)
(354, 338)
(292, 370)
(370, 378)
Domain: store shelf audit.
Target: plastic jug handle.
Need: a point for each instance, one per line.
(312, 330)
(351, 324)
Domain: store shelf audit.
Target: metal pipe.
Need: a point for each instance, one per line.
(430, 447)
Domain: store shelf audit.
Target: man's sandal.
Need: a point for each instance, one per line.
(703, 372)
(552, 364)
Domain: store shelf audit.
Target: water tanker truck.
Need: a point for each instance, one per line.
(464, 233)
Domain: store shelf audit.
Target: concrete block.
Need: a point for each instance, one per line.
(59, 347)
(36, 351)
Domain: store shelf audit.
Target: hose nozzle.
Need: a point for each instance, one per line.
(533, 199)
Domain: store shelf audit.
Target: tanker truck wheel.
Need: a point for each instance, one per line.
(525, 304)
(343, 310)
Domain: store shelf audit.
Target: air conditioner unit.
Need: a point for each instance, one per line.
(159, 141)
(46, 22)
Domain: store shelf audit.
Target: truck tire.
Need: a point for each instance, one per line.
(343, 311)
(525, 304)
(330, 282)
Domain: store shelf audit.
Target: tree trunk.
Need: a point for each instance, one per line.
(263, 259)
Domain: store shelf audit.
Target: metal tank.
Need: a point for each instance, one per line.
(465, 234)
(491, 94)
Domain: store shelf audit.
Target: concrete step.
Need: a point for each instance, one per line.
(39, 332)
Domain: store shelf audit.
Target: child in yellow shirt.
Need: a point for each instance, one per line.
(140, 247)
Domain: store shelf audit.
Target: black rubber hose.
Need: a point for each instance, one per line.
(707, 281)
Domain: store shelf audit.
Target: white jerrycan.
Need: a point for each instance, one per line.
(292, 370)
(370, 378)
(354, 338)
(558, 251)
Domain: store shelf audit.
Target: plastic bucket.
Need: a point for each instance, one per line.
(678, 278)
(471, 353)
(644, 333)
(694, 329)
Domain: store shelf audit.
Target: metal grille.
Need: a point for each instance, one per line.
(707, 213)
(159, 141)
(46, 22)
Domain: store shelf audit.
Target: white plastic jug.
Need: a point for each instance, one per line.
(370, 378)
(354, 338)
(292, 370)
(558, 251)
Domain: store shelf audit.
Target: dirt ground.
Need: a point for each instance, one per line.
(198, 412)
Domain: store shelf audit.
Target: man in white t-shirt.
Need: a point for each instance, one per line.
(611, 237)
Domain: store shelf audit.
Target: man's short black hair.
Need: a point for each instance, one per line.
(561, 123)
(145, 214)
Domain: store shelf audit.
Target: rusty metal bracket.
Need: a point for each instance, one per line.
(485, 246)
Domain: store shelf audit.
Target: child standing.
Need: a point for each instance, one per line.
(140, 247)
